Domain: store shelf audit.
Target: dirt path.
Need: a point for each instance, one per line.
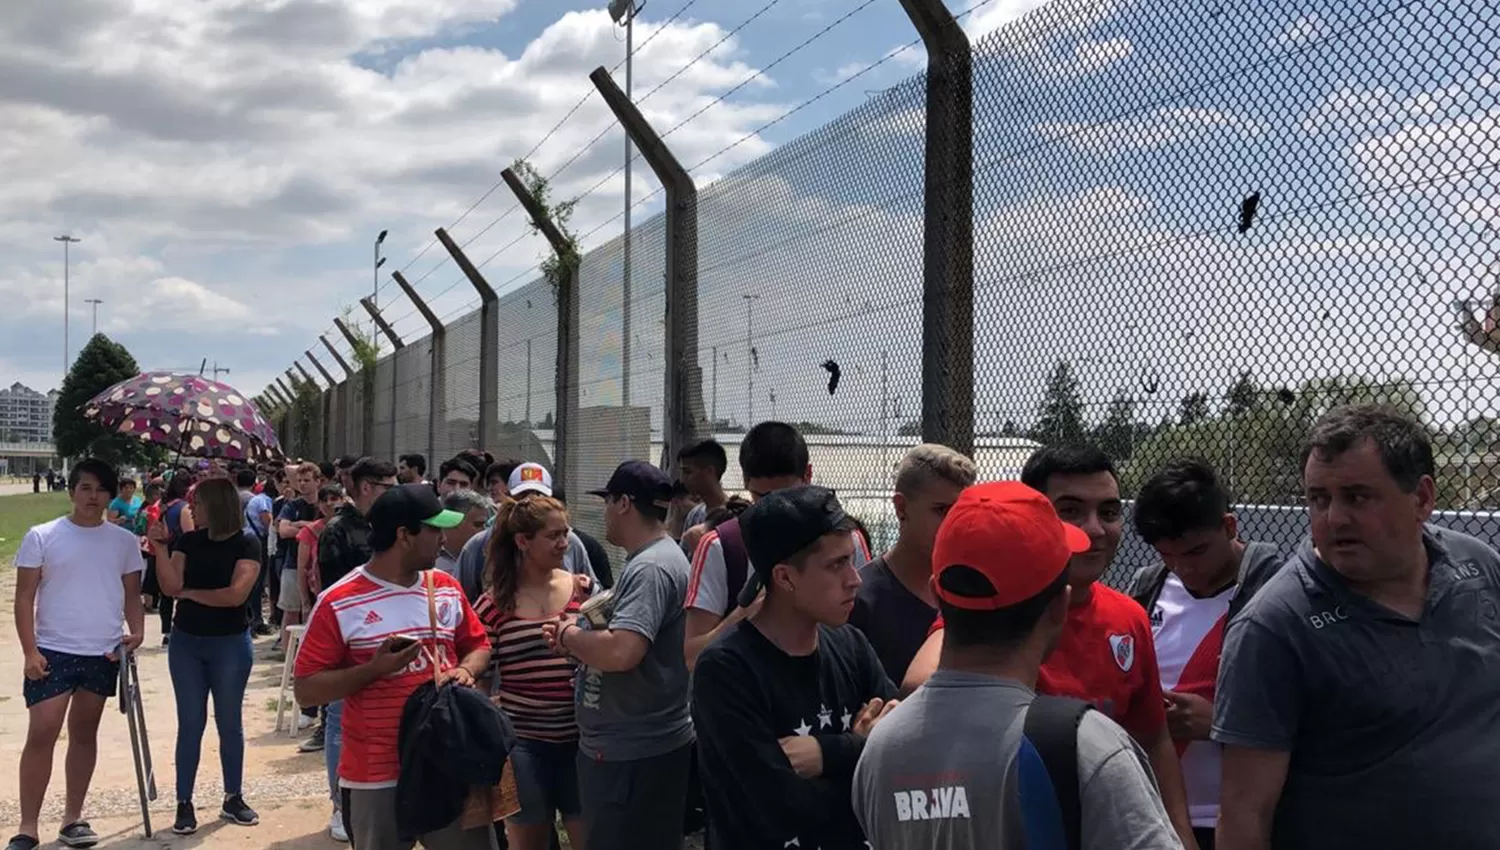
(288, 789)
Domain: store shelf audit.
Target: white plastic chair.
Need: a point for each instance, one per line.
(293, 640)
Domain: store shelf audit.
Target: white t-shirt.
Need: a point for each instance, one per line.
(80, 603)
(708, 584)
(1189, 636)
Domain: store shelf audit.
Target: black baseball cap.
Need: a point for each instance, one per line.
(643, 482)
(785, 522)
(403, 506)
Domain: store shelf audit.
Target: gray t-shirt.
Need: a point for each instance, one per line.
(1393, 725)
(946, 770)
(697, 516)
(471, 562)
(642, 712)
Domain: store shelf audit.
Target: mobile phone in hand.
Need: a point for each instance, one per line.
(400, 643)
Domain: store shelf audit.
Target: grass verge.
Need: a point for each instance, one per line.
(21, 512)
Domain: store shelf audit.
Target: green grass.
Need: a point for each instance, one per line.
(18, 513)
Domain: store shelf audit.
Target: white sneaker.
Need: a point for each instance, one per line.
(303, 721)
(336, 827)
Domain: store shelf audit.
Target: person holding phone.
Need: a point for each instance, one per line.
(211, 571)
(372, 639)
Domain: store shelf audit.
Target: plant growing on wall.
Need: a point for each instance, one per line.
(559, 266)
(304, 416)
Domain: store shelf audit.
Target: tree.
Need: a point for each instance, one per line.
(1061, 419)
(910, 428)
(1194, 408)
(1244, 395)
(100, 365)
(1010, 429)
(1116, 435)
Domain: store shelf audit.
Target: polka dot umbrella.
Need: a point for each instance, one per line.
(191, 414)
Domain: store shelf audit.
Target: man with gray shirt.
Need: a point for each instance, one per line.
(959, 764)
(635, 733)
(1359, 691)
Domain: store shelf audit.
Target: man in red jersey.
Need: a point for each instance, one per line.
(1105, 654)
(371, 641)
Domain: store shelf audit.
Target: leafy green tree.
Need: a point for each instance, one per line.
(1061, 413)
(100, 365)
(1244, 395)
(1116, 435)
(1194, 408)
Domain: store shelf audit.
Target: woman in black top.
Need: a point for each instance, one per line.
(210, 571)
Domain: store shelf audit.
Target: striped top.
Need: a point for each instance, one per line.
(533, 686)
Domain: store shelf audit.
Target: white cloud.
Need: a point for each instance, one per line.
(1154, 130)
(1304, 29)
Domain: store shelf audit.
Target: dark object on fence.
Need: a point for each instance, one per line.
(834, 374)
(1248, 208)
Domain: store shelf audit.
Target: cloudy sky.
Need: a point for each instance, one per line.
(228, 163)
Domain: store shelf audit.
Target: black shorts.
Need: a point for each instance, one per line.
(68, 673)
(635, 805)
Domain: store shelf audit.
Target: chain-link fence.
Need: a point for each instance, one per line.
(1197, 227)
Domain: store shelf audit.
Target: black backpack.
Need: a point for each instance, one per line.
(1052, 728)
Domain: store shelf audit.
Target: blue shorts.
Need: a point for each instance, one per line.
(546, 780)
(68, 673)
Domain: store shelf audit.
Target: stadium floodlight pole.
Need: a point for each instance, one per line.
(95, 302)
(624, 12)
(68, 241)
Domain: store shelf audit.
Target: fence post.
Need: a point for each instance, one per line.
(367, 409)
(286, 391)
(489, 342)
(438, 385)
(684, 415)
(396, 346)
(565, 374)
(948, 232)
(343, 399)
(324, 449)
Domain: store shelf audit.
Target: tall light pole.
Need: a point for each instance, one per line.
(67, 243)
(750, 356)
(624, 12)
(96, 302)
(375, 278)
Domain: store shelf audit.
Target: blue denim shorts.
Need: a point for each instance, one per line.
(546, 780)
(68, 673)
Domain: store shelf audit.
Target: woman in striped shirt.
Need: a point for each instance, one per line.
(526, 587)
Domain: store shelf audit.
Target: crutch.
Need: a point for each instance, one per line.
(140, 746)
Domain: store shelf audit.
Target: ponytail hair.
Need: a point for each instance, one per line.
(502, 557)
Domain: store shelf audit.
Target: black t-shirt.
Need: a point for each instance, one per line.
(747, 695)
(209, 565)
(294, 510)
(894, 619)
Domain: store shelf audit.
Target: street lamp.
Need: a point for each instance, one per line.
(96, 302)
(67, 243)
(624, 12)
(750, 357)
(375, 277)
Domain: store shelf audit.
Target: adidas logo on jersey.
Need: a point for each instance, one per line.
(372, 618)
(943, 803)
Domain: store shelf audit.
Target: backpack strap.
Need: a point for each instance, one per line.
(1254, 573)
(1052, 728)
(736, 562)
(1146, 587)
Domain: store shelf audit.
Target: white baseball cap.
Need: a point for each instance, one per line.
(530, 478)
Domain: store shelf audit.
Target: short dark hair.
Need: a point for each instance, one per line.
(127, 482)
(773, 449)
(1405, 449)
(370, 469)
(178, 485)
(331, 491)
(109, 479)
(346, 461)
(504, 468)
(244, 478)
(458, 464)
(1048, 461)
(415, 461)
(328, 470)
(707, 451)
(1003, 627)
(1185, 495)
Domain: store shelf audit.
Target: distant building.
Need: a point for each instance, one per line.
(26, 415)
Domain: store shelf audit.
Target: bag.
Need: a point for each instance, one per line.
(483, 806)
(1052, 728)
(736, 566)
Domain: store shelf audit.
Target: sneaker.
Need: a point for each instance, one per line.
(303, 721)
(78, 834)
(336, 829)
(314, 742)
(26, 842)
(235, 811)
(187, 819)
(262, 630)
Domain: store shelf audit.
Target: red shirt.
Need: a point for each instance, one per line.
(1106, 656)
(348, 622)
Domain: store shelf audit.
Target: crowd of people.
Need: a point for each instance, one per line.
(752, 666)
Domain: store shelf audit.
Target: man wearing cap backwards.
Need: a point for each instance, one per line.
(370, 642)
(1106, 655)
(951, 767)
(635, 736)
(783, 701)
(528, 479)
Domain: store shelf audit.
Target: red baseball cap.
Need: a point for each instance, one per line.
(1012, 536)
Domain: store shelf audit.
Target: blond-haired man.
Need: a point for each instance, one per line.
(895, 607)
